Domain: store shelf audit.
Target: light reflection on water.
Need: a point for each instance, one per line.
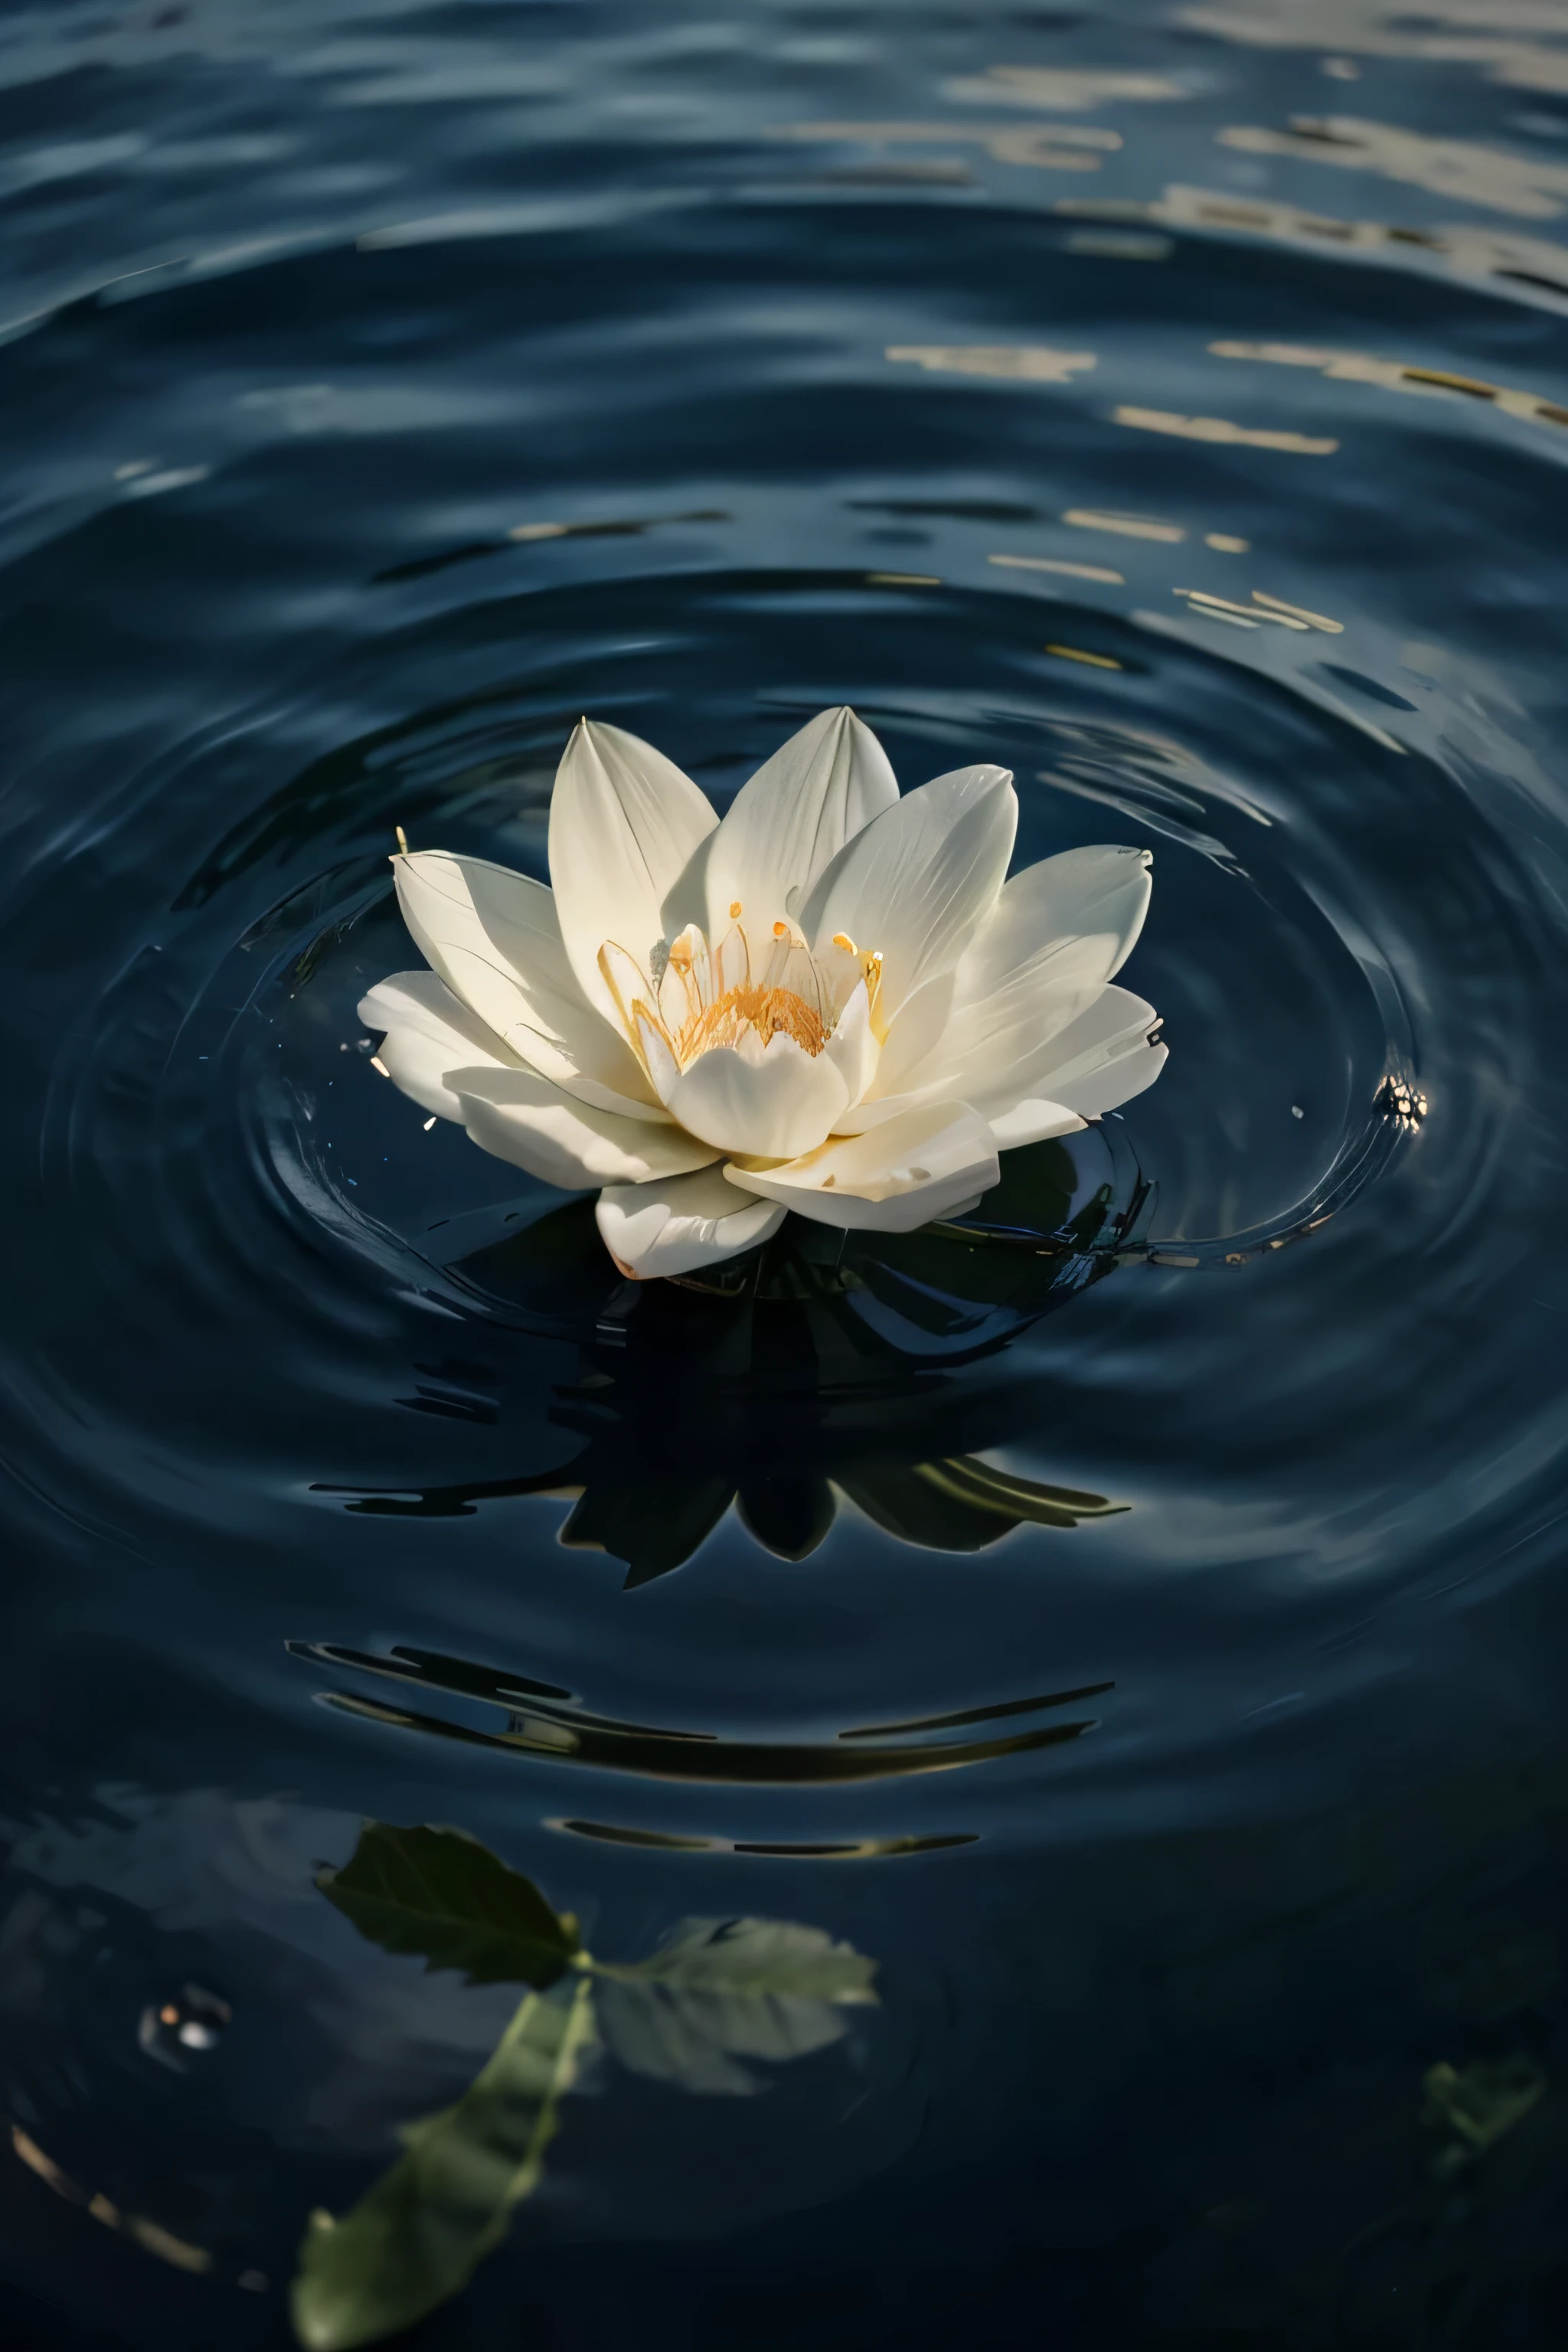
(1151, 1575)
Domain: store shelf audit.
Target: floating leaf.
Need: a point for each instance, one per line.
(721, 1991)
(443, 1894)
(419, 2234)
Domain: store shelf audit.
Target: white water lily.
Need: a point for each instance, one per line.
(831, 1000)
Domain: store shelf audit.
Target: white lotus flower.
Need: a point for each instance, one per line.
(829, 1002)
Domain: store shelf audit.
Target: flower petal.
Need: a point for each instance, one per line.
(1040, 959)
(1103, 1058)
(428, 1031)
(917, 881)
(494, 938)
(624, 823)
(915, 1031)
(900, 1175)
(677, 1223)
(525, 1119)
(1117, 1081)
(853, 1049)
(818, 790)
(772, 1100)
(1050, 910)
(1033, 1120)
(1106, 1057)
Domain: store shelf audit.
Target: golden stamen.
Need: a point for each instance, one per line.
(780, 930)
(768, 1011)
(734, 908)
(842, 940)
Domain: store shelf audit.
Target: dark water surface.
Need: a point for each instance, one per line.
(1170, 403)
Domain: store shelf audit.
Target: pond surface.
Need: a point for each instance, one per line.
(1134, 1621)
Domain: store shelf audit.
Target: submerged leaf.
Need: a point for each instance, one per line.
(443, 1894)
(417, 2237)
(721, 1991)
(1481, 2102)
(756, 1957)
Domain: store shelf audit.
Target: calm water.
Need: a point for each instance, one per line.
(1170, 403)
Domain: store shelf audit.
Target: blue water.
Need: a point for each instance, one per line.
(1170, 404)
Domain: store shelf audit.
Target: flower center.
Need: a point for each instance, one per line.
(766, 1009)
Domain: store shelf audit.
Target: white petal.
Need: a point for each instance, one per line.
(680, 1223)
(1104, 1056)
(1098, 894)
(1117, 1080)
(901, 1175)
(774, 1100)
(818, 791)
(663, 1069)
(1040, 959)
(853, 1049)
(915, 1031)
(1033, 1120)
(916, 883)
(624, 823)
(494, 938)
(523, 1118)
(428, 1031)
(731, 960)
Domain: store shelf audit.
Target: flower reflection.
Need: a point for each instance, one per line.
(831, 1002)
(796, 1382)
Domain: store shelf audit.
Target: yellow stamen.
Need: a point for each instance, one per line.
(402, 839)
(842, 940)
(734, 908)
(780, 930)
(768, 1011)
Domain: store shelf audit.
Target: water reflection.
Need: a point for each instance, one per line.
(796, 1379)
(559, 1730)
(1527, 267)
(1525, 185)
(1396, 375)
(195, 2020)
(1067, 88)
(1486, 33)
(1063, 147)
(151, 2236)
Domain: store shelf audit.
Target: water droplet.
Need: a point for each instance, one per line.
(195, 2020)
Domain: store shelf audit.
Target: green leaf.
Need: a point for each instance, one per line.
(721, 1991)
(756, 1959)
(443, 1894)
(417, 2236)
